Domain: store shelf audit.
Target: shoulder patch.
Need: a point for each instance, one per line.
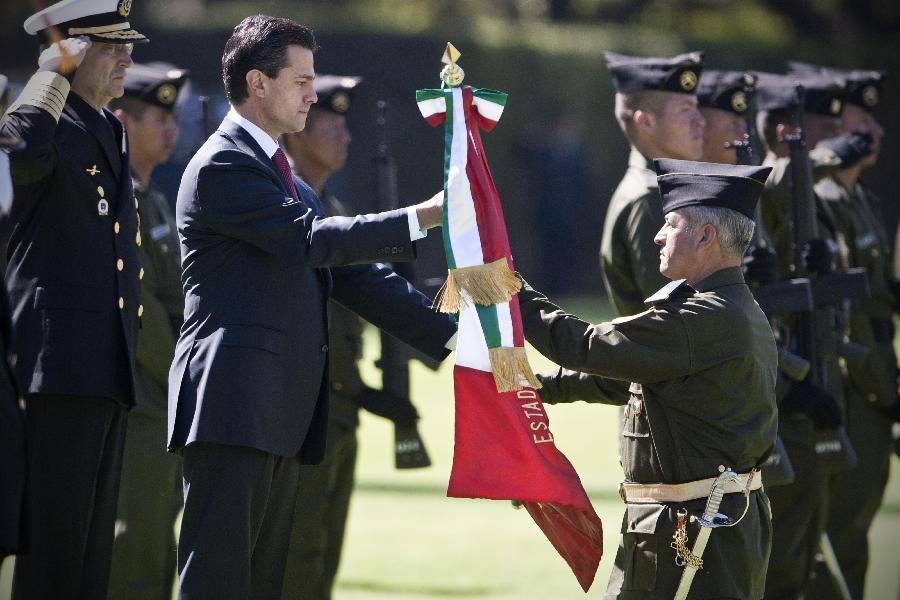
(674, 289)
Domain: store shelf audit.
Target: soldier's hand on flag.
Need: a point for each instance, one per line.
(65, 55)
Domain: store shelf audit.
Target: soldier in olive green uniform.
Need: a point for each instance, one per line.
(657, 111)
(323, 498)
(150, 496)
(872, 378)
(799, 508)
(702, 363)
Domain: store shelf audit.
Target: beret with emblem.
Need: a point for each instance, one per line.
(726, 90)
(637, 73)
(101, 20)
(155, 83)
(335, 92)
(689, 183)
(824, 94)
(863, 88)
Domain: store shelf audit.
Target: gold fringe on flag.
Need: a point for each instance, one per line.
(510, 366)
(488, 284)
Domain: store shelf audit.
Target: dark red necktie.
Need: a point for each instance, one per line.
(281, 163)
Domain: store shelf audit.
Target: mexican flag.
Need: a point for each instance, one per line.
(504, 448)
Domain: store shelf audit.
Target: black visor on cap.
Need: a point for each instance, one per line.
(689, 183)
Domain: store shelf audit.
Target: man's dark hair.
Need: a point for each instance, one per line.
(260, 42)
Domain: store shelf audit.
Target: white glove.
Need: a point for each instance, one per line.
(65, 55)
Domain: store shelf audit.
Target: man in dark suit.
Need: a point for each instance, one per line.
(73, 283)
(248, 390)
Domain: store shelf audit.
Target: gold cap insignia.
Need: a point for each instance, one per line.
(124, 7)
(688, 80)
(340, 102)
(166, 93)
(870, 95)
(835, 106)
(739, 101)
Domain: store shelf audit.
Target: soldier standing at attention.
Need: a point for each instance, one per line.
(657, 111)
(702, 364)
(150, 494)
(323, 498)
(72, 277)
(872, 403)
(723, 102)
(799, 508)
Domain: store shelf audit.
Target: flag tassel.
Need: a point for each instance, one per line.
(492, 283)
(510, 367)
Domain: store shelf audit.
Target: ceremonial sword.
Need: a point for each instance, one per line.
(710, 520)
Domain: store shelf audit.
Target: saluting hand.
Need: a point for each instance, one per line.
(65, 55)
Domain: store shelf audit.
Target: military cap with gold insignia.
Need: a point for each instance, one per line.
(725, 90)
(863, 87)
(689, 183)
(335, 92)
(155, 83)
(824, 95)
(101, 20)
(637, 73)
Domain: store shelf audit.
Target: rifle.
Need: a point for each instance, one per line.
(789, 295)
(409, 449)
(748, 149)
(814, 330)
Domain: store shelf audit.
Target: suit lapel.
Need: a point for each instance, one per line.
(246, 143)
(96, 124)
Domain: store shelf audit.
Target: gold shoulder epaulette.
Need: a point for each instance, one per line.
(46, 90)
(674, 289)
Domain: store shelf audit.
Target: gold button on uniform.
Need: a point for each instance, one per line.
(141, 310)
(141, 274)
(872, 397)
(121, 302)
(116, 227)
(137, 239)
(120, 264)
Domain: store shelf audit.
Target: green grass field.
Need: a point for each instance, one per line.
(406, 540)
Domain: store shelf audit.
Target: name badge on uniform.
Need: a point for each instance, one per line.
(160, 231)
(103, 207)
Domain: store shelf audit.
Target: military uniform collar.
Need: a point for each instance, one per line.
(639, 163)
(721, 278)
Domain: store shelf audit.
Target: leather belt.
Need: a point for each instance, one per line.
(657, 493)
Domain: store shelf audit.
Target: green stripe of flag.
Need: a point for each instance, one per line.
(448, 149)
(490, 324)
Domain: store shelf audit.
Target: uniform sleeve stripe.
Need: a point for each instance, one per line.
(45, 90)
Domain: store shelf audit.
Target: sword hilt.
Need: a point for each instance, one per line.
(711, 516)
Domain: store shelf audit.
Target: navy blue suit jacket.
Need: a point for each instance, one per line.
(251, 363)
